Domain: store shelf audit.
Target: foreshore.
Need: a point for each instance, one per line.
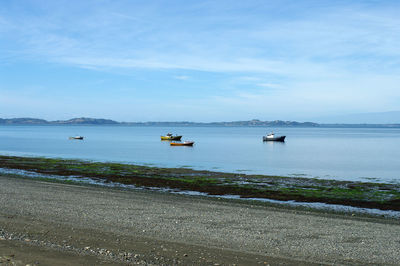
(64, 224)
(370, 195)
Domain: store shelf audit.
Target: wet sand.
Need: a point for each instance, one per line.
(62, 224)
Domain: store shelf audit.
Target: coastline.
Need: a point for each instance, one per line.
(145, 227)
(246, 123)
(358, 194)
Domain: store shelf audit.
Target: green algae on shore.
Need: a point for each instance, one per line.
(359, 194)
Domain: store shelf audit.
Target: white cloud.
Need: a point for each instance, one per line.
(268, 85)
(182, 77)
(327, 42)
(326, 58)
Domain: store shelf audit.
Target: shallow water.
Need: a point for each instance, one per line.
(329, 153)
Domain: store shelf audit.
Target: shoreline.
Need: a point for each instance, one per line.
(312, 207)
(369, 195)
(86, 121)
(114, 226)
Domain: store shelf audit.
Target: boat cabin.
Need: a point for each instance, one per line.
(271, 135)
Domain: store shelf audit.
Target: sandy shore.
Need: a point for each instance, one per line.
(61, 224)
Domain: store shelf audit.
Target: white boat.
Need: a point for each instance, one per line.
(271, 137)
(76, 137)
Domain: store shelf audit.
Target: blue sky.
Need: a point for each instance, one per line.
(198, 60)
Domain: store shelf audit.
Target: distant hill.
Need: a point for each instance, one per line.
(249, 123)
(23, 121)
(276, 123)
(74, 121)
(86, 121)
(96, 121)
(252, 123)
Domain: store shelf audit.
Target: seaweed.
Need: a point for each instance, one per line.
(358, 194)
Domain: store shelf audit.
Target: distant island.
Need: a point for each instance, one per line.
(249, 123)
(74, 121)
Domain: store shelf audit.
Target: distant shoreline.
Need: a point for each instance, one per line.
(249, 123)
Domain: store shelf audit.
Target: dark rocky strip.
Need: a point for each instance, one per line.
(357, 194)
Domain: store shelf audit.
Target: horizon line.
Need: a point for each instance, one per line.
(192, 122)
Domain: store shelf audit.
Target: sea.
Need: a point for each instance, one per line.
(356, 154)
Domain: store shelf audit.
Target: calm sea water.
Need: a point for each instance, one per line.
(329, 153)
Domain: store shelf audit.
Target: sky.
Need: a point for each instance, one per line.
(202, 61)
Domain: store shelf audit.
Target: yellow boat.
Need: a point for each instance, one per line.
(169, 136)
(185, 143)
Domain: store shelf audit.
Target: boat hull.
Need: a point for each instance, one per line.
(77, 137)
(280, 138)
(171, 137)
(190, 143)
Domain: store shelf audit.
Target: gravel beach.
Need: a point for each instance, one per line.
(61, 224)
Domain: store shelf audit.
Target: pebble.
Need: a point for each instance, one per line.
(269, 247)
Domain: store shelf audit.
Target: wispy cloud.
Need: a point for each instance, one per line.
(304, 54)
(337, 38)
(182, 77)
(268, 85)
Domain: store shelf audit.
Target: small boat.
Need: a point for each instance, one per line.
(76, 137)
(271, 137)
(169, 136)
(185, 143)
